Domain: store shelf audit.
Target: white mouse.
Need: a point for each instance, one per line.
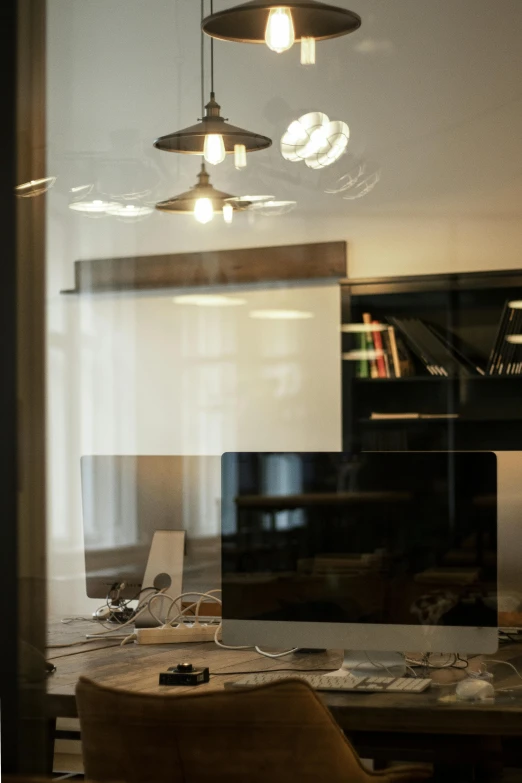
(474, 690)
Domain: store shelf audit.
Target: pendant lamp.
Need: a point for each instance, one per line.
(279, 25)
(213, 137)
(203, 201)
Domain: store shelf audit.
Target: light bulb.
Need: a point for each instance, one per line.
(307, 51)
(203, 210)
(240, 160)
(279, 33)
(228, 213)
(214, 149)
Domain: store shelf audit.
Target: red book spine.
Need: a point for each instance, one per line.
(379, 347)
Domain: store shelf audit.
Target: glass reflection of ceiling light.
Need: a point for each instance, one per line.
(355, 356)
(516, 304)
(279, 26)
(358, 328)
(316, 140)
(228, 213)
(252, 199)
(202, 200)
(307, 51)
(208, 300)
(130, 211)
(273, 208)
(363, 187)
(299, 133)
(281, 315)
(514, 339)
(96, 207)
(240, 160)
(35, 187)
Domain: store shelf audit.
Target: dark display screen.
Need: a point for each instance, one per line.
(388, 537)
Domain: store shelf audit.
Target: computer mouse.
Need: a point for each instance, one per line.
(474, 690)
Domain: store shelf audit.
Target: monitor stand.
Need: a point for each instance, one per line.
(371, 663)
(164, 571)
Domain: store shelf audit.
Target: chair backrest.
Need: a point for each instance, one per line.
(276, 733)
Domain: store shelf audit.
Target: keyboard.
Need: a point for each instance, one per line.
(333, 682)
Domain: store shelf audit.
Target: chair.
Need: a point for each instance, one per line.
(275, 733)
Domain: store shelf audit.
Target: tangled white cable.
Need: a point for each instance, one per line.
(315, 139)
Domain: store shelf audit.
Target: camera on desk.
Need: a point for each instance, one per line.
(184, 674)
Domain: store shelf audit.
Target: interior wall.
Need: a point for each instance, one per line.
(140, 374)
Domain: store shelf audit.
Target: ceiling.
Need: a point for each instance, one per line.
(431, 91)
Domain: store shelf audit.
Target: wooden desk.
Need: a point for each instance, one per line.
(416, 727)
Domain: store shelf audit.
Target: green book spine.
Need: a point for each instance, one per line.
(363, 370)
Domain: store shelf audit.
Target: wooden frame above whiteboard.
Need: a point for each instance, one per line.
(317, 261)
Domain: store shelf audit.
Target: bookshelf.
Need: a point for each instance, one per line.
(483, 412)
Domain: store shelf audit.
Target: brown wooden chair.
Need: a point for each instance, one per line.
(276, 733)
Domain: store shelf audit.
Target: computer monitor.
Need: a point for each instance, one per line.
(377, 552)
(127, 498)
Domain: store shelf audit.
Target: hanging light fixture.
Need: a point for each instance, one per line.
(203, 201)
(213, 137)
(280, 25)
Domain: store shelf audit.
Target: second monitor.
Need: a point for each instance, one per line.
(383, 552)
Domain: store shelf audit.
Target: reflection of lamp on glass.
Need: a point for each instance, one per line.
(273, 208)
(240, 160)
(281, 315)
(308, 51)
(203, 201)
(34, 187)
(89, 202)
(316, 140)
(228, 213)
(208, 300)
(130, 212)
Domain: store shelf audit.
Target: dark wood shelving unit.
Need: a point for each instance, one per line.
(488, 408)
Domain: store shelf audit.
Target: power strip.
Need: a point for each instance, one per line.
(181, 634)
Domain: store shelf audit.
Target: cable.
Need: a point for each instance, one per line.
(78, 652)
(150, 602)
(196, 604)
(130, 638)
(269, 671)
(228, 646)
(275, 655)
(211, 53)
(505, 663)
(72, 644)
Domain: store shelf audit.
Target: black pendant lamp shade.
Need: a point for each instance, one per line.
(246, 23)
(185, 202)
(191, 140)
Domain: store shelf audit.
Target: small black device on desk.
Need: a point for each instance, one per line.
(184, 674)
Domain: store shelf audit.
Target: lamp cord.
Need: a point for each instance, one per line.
(212, 53)
(202, 53)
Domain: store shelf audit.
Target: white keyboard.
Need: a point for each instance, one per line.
(333, 682)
